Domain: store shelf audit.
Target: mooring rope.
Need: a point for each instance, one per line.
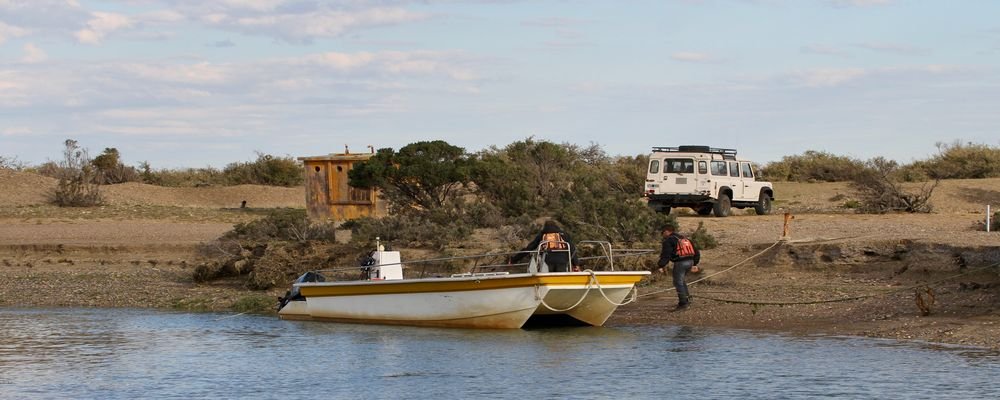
(849, 298)
(592, 281)
(720, 272)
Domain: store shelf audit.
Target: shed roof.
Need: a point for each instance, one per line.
(338, 157)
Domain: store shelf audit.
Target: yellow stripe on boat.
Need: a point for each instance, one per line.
(353, 288)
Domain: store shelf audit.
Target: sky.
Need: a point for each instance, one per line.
(193, 83)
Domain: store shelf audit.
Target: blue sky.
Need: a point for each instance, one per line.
(190, 83)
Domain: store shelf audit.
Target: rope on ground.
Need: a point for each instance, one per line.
(591, 283)
(720, 272)
(842, 299)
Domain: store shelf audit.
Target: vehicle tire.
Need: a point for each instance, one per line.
(722, 206)
(660, 208)
(763, 206)
(704, 209)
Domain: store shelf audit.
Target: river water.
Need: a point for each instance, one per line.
(127, 354)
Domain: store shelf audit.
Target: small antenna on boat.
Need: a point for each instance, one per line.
(378, 245)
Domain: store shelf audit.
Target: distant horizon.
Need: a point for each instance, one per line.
(185, 84)
(253, 156)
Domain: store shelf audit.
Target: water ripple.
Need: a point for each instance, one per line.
(118, 354)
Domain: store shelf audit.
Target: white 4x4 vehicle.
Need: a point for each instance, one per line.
(707, 179)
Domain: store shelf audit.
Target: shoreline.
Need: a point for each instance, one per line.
(957, 318)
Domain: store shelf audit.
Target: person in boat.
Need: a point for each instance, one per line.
(557, 245)
(681, 251)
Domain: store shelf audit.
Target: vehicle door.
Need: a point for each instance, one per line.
(678, 175)
(704, 184)
(720, 176)
(735, 182)
(751, 190)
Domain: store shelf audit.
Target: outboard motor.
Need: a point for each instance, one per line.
(293, 294)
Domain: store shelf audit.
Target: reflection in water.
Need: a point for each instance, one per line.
(95, 353)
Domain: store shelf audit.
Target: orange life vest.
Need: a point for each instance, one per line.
(553, 241)
(684, 247)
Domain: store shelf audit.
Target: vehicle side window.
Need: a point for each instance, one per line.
(747, 172)
(719, 168)
(654, 166)
(734, 169)
(702, 167)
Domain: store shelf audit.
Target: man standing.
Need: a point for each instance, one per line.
(681, 251)
(558, 255)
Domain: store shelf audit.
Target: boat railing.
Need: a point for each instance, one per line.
(495, 263)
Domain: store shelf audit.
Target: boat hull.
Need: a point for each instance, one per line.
(495, 301)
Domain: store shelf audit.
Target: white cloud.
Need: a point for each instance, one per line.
(860, 3)
(16, 131)
(33, 54)
(829, 77)
(200, 73)
(10, 31)
(418, 63)
(893, 48)
(824, 50)
(686, 56)
(306, 26)
(101, 25)
(344, 61)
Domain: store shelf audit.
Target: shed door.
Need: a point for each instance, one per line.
(317, 191)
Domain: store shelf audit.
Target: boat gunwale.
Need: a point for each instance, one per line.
(455, 284)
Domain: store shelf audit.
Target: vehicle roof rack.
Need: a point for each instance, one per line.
(726, 153)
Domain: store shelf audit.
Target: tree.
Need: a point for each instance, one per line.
(422, 175)
(526, 177)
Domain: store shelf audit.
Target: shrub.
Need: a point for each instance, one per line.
(76, 187)
(189, 177)
(12, 163)
(285, 225)
(879, 190)
(813, 166)
(265, 170)
(959, 161)
(702, 239)
(110, 170)
(417, 230)
(527, 177)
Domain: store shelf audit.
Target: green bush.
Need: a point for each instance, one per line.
(418, 230)
(958, 161)
(189, 177)
(702, 239)
(110, 170)
(527, 177)
(265, 170)
(813, 166)
(285, 225)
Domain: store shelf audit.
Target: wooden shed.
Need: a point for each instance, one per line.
(329, 197)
